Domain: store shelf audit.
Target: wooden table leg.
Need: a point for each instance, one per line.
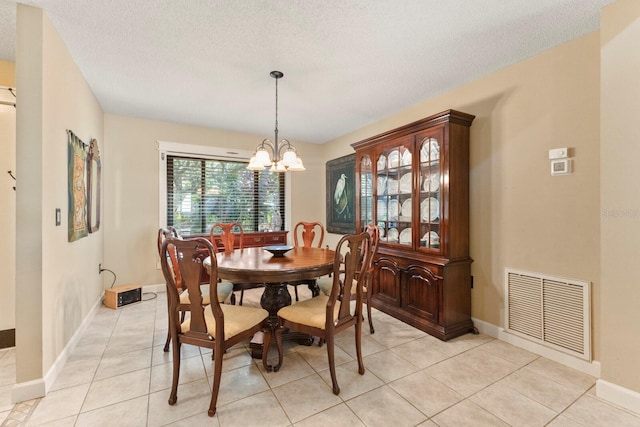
(274, 297)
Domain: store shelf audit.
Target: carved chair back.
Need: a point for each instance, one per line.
(165, 233)
(307, 232)
(223, 236)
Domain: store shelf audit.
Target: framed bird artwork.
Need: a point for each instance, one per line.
(341, 193)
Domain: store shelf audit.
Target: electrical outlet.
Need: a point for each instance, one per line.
(100, 268)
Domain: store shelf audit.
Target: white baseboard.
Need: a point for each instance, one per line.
(617, 395)
(592, 368)
(28, 390)
(38, 388)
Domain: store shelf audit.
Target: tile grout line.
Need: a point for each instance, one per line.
(155, 323)
(465, 398)
(204, 360)
(93, 377)
(19, 417)
(32, 409)
(580, 396)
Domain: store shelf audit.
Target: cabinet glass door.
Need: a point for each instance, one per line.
(430, 209)
(366, 191)
(394, 184)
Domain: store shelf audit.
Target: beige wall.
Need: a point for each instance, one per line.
(521, 217)
(130, 167)
(620, 197)
(57, 283)
(7, 74)
(7, 198)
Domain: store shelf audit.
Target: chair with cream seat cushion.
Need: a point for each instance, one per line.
(325, 283)
(326, 315)
(223, 291)
(307, 235)
(216, 326)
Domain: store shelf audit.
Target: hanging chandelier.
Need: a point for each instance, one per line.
(281, 155)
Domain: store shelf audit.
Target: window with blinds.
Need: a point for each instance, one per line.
(203, 191)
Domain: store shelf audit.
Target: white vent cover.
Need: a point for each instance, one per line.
(552, 311)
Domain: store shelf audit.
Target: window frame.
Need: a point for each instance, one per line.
(166, 148)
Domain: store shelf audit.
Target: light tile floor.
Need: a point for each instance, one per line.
(118, 375)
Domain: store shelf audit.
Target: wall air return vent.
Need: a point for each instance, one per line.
(552, 311)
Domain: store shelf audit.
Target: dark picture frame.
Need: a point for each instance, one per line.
(341, 195)
(94, 184)
(77, 187)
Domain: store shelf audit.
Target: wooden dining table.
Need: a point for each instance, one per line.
(257, 265)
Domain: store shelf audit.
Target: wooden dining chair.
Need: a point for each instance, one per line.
(325, 316)
(223, 291)
(216, 326)
(325, 283)
(367, 286)
(224, 236)
(307, 234)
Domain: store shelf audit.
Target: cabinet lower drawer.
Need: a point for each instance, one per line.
(253, 241)
(275, 239)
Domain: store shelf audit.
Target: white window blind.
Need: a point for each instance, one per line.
(203, 191)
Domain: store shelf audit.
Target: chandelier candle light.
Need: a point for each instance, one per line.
(283, 155)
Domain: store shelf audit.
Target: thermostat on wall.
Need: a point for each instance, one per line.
(560, 166)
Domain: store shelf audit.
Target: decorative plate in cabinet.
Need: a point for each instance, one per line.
(429, 209)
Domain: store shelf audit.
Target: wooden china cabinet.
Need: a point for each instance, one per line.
(414, 184)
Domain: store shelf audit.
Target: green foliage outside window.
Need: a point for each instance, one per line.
(201, 192)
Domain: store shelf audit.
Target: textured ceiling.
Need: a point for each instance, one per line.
(347, 63)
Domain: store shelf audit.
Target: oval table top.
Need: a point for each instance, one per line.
(256, 265)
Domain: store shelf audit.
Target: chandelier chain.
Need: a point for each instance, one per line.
(276, 130)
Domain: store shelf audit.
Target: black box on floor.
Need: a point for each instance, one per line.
(120, 296)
